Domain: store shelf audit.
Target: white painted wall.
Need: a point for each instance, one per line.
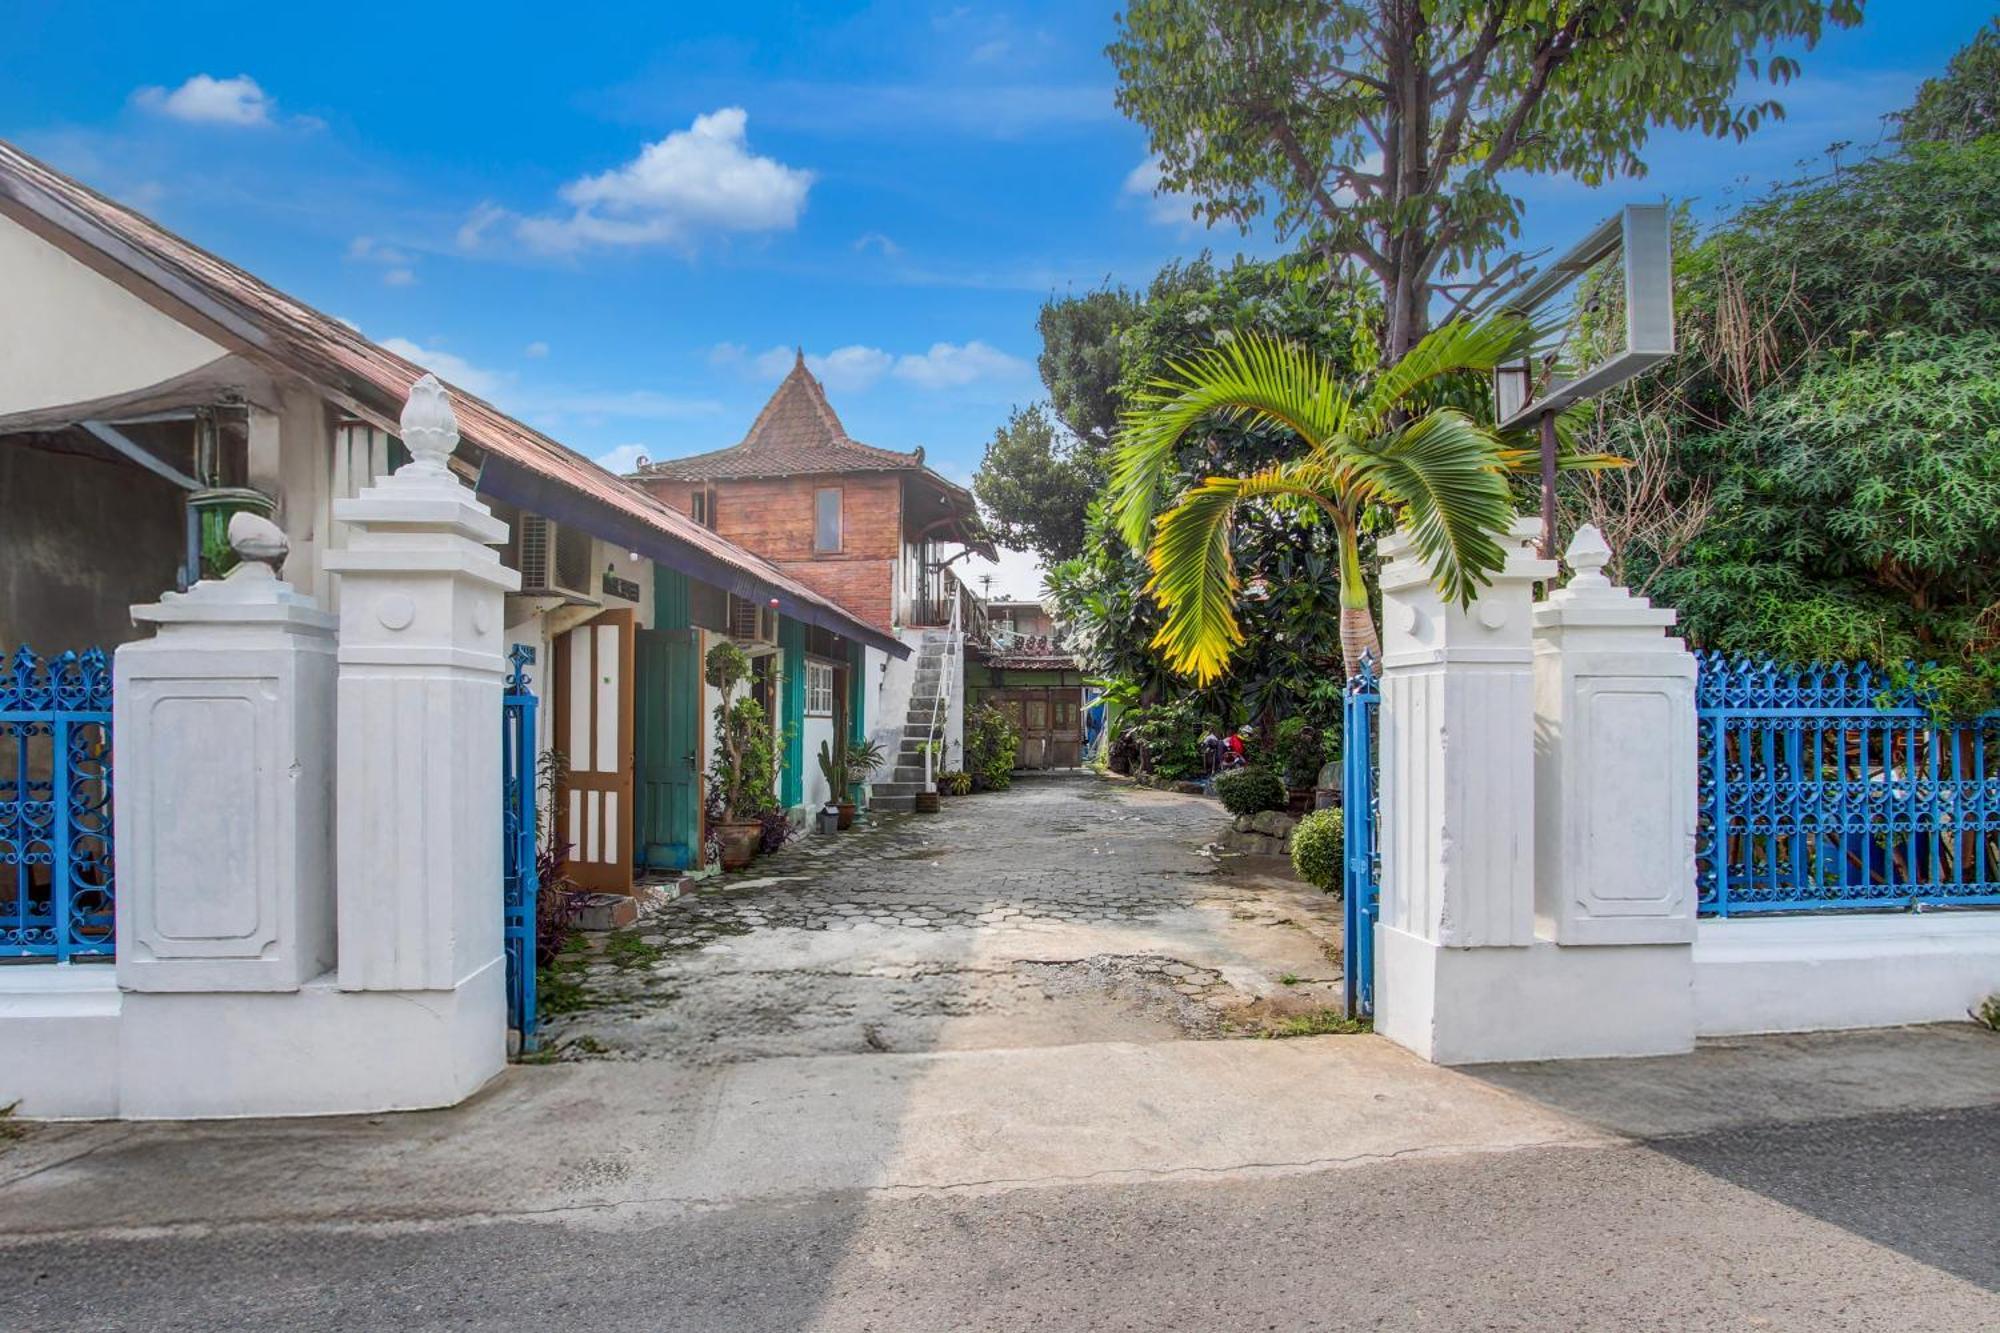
(816, 731)
(1821, 973)
(72, 336)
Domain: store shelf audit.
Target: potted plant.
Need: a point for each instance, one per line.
(833, 766)
(863, 759)
(743, 756)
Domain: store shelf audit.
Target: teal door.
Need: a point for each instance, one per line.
(667, 830)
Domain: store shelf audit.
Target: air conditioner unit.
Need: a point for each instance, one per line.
(551, 557)
(752, 623)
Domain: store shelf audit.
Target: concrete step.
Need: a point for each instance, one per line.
(909, 773)
(892, 805)
(881, 789)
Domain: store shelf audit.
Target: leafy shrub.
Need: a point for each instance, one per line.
(1987, 1012)
(1319, 844)
(775, 829)
(1302, 751)
(1169, 736)
(954, 782)
(992, 743)
(1245, 791)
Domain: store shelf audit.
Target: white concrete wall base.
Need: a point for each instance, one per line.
(1541, 1001)
(59, 1040)
(1820, 973)
(72, 1046)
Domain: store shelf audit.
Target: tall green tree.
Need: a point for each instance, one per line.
(1379, 130)
(1963, 103)
(1036, 484)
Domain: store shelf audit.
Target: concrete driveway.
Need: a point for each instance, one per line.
(1064, 910)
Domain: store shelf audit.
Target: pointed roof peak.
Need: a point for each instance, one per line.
(797, 415)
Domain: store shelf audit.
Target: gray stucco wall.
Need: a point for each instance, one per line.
(82, 539)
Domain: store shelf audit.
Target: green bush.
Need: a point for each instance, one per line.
(954, 782)
(1245, 791)
(1318, 845)
(1302, 751)
(1169, 736)
(992, 743)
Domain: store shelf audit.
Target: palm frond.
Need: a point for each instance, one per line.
(1462, 345)
(1194, 574)
(1521, 446)
(1250, 379)
(1446, 473)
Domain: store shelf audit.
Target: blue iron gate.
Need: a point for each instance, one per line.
(1360, 803)
(1829, 788)
(520, 882)
(55, 807)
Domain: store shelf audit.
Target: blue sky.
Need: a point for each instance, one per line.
(616, 220)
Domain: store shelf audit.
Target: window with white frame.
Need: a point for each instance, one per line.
(819, 689)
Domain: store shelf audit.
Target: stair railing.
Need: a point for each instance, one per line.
(953, 649)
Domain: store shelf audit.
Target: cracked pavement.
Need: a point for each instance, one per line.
(1063, 910)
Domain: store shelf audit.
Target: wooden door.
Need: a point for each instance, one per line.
(667, 712)
(1034, 729)
(1065, 728)
(593, 730)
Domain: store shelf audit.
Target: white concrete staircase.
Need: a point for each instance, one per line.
(923, 722)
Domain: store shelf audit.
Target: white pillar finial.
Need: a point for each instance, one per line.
(1588, 554)
(429, 428)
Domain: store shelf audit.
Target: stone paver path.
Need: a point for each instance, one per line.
(1062, 910)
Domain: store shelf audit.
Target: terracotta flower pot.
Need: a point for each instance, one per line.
(739, 839)
(846, 815)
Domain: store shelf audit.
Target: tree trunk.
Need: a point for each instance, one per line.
(1357, 636)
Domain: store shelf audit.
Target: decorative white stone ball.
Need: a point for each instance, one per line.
(257, 540)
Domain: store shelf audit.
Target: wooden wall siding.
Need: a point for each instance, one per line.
(774, 519)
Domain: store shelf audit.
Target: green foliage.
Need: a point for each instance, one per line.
(1248, 790)
(726, 667)
(863, 758)
(1320, 1023)
(833, 766)
(1287, 105)
(954, 782)
(1169, 736)
(1964, 104)
(1832, 426)
(1986, 1013)
(744, 772)
(992, 743)
(1319, 845)
(1035, 484)
(1302, 750)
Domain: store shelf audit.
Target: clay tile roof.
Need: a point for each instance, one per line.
(367, 377)
(797, 434)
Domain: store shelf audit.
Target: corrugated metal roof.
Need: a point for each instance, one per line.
(338, 358)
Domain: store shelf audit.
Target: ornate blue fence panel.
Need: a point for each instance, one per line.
(55, 807)
(520, 882)
(1828, 788)
(1361, 873)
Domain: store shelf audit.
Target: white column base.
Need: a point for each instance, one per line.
(1541, 1001)
(59, 1040)
(75, 1047)
(1821, 973)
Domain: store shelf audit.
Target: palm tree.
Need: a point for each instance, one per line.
(1444, 472)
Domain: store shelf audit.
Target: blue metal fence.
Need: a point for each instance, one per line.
(520, 882)
(1829, 788)
(1360, 803)
(55, 807)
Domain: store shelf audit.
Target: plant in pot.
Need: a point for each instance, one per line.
(740, 778)
(863, 758)
(834, 767)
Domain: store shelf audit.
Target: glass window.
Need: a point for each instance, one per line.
(819, 689)
(826, 519)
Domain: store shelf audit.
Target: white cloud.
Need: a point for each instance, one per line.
(399, 266)
(623, 459)
(950, 366)
(204, 100)
(399, 277)
(535, 350)
(1168, 208)
(448, 366)
(875, 240)
(850, 369)
(698, 180)
(472, 232)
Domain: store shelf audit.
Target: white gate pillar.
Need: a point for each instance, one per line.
(1457, 798)
(421, 663)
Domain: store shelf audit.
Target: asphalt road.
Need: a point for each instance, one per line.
(1885, 1222)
